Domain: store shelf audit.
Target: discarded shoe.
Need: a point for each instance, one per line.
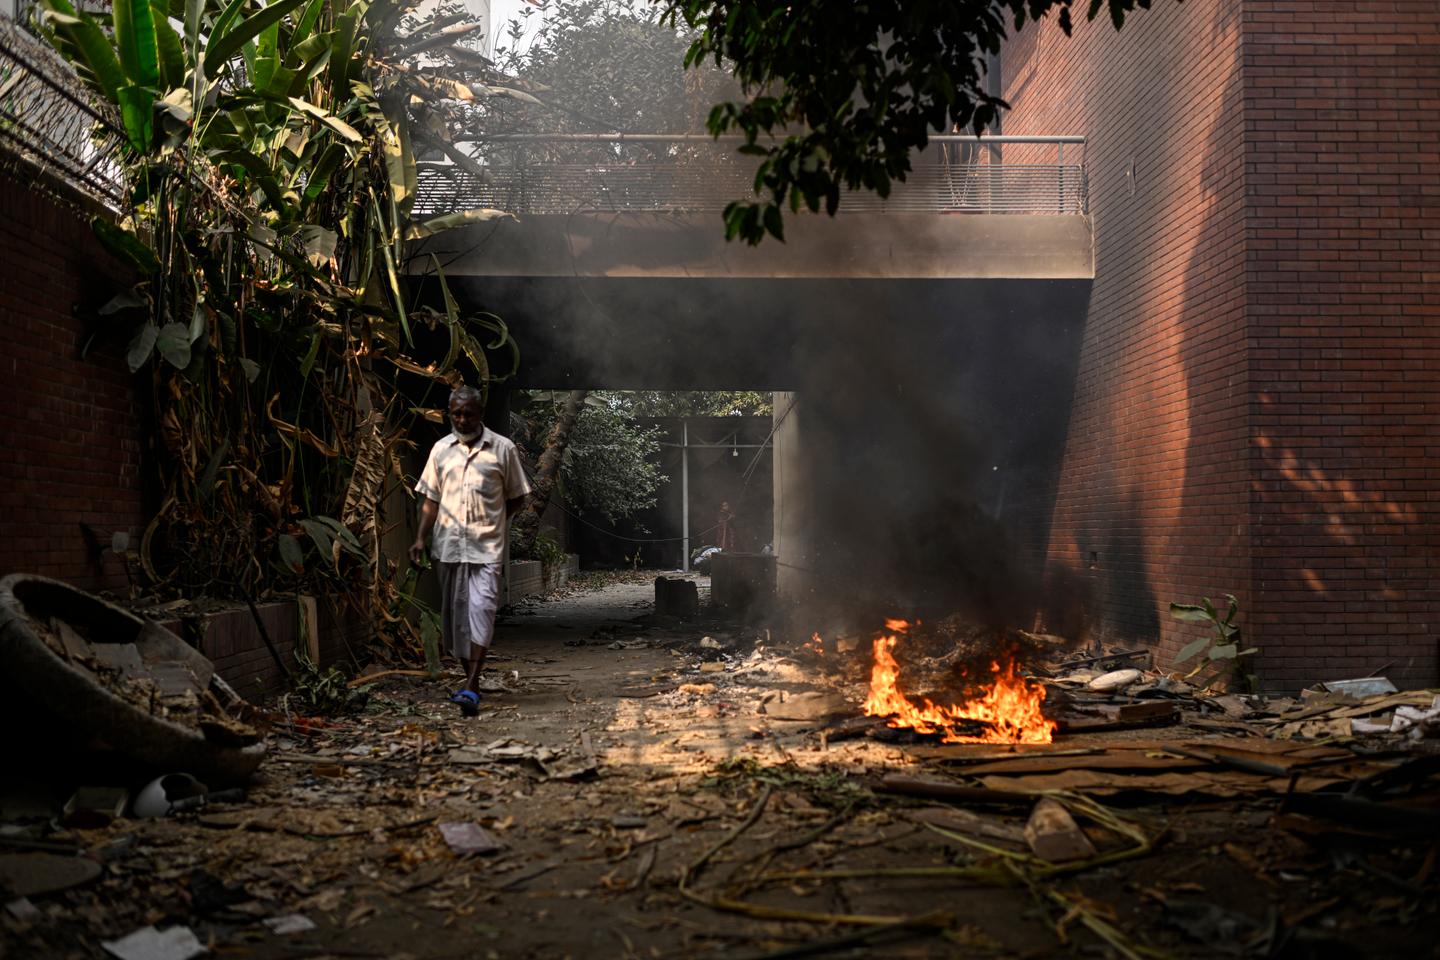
(468, 700)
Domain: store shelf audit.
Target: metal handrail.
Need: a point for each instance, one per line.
(738, 138)
(50, 123)
(533, 173)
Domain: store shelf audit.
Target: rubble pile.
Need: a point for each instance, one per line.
(648, 786)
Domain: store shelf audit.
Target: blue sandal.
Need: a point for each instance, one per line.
(468, 700)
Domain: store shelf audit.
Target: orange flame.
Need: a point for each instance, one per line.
(815, 645)
(1011, 705)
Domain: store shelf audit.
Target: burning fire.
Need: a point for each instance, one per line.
(1011, 705)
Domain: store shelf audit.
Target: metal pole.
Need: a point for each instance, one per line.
(685, 494)
(1060, 172)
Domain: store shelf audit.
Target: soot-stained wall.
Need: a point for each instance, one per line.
(1257, 383)
(1152, 502)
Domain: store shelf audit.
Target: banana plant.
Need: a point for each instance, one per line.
(269, 175)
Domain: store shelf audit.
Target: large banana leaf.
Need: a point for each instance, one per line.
(399, 161)
(324, 116)
(221, 48)
(271, 244)
(452, 314)
(461, 218)
(267, 56)
(319, 174)
(194, 10)
(135, 40)
(262, 174)
(137, 114)
(302, 34)
(171, 51)
(91, 44)
(342, 51)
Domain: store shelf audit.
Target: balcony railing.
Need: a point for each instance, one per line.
(691, 173)
(50, 122)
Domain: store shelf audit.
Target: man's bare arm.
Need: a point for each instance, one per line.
(429, 511)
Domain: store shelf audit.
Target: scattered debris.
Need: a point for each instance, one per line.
(1365, 687)
(467, 839)
(31, 874)
(290, 923)
(148, 943)
(1054, 836)
(630, 785)
(159, 797)
(676, 597)
(157, 699)
(1117, 680)
(91, 808)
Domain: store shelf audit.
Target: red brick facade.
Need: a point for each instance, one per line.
(72, 432)
(1259, 372)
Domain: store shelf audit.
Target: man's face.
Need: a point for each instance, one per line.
(466, 417)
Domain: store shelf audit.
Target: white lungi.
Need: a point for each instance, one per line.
(469, 597)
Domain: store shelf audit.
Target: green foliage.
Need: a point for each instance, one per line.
(268, 181)
(611, 468)
(1219, 654)
(321, 693)
(611, 464)
(835, 789)
(850, 91)
(608, 65)
(689, 403)
(547, 551)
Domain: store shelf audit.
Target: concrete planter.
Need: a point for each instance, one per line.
(531, 578)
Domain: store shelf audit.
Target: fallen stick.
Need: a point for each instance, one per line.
(372, 677)
(1226, 760)
(694, 869)
(1083, 661)
(929, 923)
(362, 832)
(944, 790)
(338, 761)
(544, 868)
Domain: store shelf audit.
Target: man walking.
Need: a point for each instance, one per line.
(471, 484)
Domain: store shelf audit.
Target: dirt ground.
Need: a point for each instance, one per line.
(645, 806)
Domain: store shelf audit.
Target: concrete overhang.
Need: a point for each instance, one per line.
(855, 246)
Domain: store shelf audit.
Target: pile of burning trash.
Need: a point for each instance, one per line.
(952, 682)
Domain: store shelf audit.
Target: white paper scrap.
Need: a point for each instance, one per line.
(147, 943)
(22, 909)
(290, 923)
(1360, 726)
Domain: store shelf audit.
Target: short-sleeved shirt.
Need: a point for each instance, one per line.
(471, 485)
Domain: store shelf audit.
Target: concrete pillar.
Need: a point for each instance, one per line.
(793, 549)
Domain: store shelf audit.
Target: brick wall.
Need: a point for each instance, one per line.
(1152, 498)
(531, 578)
(72, 432)
(1342, 157)
(1259, 375)
(232, 641)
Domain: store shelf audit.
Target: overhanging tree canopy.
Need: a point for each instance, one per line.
(851, 90)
